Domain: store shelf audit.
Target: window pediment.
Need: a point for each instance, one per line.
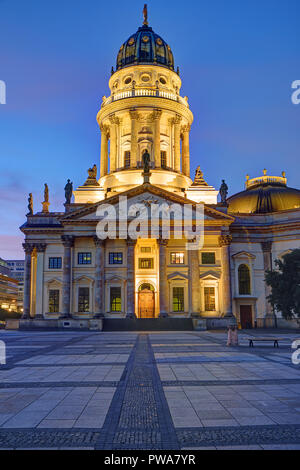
(177, 276)
(243, 255)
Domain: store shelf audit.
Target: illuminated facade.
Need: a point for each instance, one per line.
(72, 277)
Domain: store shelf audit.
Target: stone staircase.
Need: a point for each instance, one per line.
(148, 324)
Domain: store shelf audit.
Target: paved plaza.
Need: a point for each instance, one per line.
(159, 390)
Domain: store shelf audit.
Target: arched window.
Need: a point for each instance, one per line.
(244, 280)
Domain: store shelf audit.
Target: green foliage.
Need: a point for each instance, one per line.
(6, 315)
(285, 284)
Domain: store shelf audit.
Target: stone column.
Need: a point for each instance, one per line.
(177, 121)
(68, 243)
(194, 282)
(130, 310)
(225, 242)
(99, 277)
(267, 254)
(40, 249)
(163, 281)
(113, 142)
(134, 115)
(156, 117)
(186, 150)
(28, 248)
(104, 151)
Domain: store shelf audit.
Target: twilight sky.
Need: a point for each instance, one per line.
(237, 61)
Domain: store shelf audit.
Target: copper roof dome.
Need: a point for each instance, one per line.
(264, 195)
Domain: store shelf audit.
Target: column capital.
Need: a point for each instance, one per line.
(156, 114)
(266, 246)
(185, 128)
(67, 241)
(134, 115)
(177, 119)
(131, 242)
(41, 247)
(98, 241)
(114, 119)
(162, 241)
(28, 248)
(104, 129)
(225, 240)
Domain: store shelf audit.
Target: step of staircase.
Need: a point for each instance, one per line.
(148, 324)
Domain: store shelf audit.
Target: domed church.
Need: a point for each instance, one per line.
(76, 278)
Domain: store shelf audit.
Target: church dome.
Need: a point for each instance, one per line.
(145, 47)
(264, 195)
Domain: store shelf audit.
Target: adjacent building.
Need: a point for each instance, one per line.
(17, 272)
(8, 288)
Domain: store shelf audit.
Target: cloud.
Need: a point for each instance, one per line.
(11, 246)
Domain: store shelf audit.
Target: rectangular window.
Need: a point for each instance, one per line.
(146, 249)
(209, 299)
(163, 159)
(115, 258)
(178, 299)
(55, 263)
(53, 301)
(84, 258)
(83, 299)
(115, 299)
(177, 258)
(208, 258)
(146, 263)
(127, 159)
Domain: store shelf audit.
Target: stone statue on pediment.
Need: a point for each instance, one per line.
(46, 193)
(223, 192)
(30, 204)
(93, 172)
(146, 161)
(68, 192)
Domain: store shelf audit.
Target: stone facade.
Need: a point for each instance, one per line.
(71, 274)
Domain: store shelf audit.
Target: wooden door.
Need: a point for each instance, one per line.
(246, 316)
(146, 304)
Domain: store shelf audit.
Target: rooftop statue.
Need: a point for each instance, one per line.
(145, 13)
(46, 193)
(93, 172)
(68, 192)
(30, 204)
(146, 161)
(223, 192)
(46, 202)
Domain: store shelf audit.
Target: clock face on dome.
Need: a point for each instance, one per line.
(159, 42)
(145, 39)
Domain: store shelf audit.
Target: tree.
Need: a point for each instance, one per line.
(285, 284)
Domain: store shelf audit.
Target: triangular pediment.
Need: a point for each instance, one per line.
(210, 275)
(145, 194)
(244, 254)
(178, 276)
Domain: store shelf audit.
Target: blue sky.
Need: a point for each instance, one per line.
(237, 61)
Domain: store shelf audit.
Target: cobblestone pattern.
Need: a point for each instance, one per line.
(73, 364)
(222, 383)
(48, 438)
(139, 416)
(57, 384)
(244, 435)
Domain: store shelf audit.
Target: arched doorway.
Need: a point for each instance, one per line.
(146, 304)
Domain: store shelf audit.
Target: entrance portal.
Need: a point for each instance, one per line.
(146, 302)
(246, 316)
